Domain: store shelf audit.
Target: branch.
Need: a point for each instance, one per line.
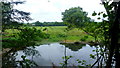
(96, 62)
(87, 32)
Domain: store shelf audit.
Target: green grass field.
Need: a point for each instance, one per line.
(59, 33)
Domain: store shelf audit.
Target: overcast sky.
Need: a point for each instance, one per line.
(50, 10)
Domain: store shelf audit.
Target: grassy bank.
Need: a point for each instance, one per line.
(59, 33)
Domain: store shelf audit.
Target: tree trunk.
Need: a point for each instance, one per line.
(114, 47)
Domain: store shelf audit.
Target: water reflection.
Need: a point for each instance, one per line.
(47, 55)
(30, 51)
(10, 59)
(74, 47)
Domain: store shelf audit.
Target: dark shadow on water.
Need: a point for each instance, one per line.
(74, 47)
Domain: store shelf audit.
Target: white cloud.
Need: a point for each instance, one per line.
(50, 10)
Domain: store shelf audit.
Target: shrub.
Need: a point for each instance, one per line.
(25, 37)
(84, 38)
(61, 35)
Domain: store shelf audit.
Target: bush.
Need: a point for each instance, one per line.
(25, 37)
(61, 35)
(84, 38)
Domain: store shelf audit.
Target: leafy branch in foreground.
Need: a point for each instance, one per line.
(12, 16)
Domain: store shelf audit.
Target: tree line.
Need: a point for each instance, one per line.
(37, 23)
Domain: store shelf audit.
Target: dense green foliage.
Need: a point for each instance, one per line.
(75, 17)
(112, 35)
(27, 35)
(37, 23)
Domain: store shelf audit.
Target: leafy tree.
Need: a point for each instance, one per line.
(75, 17)
(111, 34)
(95, 30)
(108, 30)
(113, 12)
(37, 23)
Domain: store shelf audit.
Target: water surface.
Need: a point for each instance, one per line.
(49, 54)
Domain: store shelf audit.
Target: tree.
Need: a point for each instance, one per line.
(111, 33)
(75, 16)
(11, 15)
(107, 29)
(37, 23)
(113, 12)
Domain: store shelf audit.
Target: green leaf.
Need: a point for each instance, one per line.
(94, 13)
(99, 13)
(83, 60)
(23, 56)
(83, 63)
(63, 57)
(98, 18)
(61, 63)
(71, 56)
(93, 50)
(67, 57)
(104, 15)
(79, 61)
(92, 56)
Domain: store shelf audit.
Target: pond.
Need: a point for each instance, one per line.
(49, 54)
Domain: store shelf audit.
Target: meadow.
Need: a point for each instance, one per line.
(59, 34)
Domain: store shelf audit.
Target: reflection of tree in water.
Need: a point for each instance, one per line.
(31, 52)
(74, 47)
(9, 59)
